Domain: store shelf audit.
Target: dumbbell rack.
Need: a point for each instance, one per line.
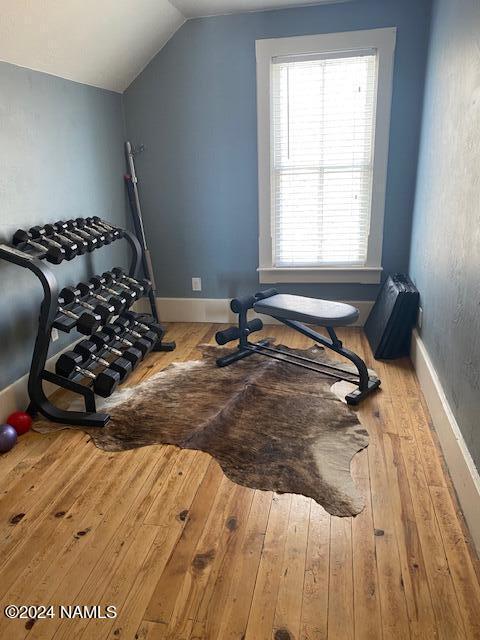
(49, 313)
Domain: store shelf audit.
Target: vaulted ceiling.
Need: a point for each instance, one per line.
(103, 43)
(198, 8)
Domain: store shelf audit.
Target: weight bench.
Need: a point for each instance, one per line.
(294, 311)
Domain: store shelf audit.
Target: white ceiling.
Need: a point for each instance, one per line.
(198, 8)
(104, 43)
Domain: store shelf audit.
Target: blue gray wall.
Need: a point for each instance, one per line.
(445, 254)
(194, 107)
(61, 156)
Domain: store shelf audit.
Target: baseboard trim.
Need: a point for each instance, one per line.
(217, 310)
(463, 472)
(15, 396)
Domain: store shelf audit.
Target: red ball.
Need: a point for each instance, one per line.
(20, 421)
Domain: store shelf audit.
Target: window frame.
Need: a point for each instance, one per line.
(383, 41)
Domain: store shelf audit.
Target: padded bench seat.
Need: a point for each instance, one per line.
(325, 313)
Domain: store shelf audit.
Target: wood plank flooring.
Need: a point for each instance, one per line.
(183, 553)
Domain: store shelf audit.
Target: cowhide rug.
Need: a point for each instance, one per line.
(270, 425)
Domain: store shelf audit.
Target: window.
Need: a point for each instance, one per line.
(322, 134)
(323, 121)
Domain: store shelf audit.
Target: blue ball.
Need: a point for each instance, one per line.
(8, 438)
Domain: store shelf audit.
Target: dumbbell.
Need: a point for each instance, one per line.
(55, 232)
(126, 325)
(116, 332)
(102, 340)
(54, 254)
(88, 350)
(99, 223)
(86, 323)
(70, 294)
(136, 289)
(119, 274)
(51, 237)
(103, 226)
(104, 383)
(116, 301)
(99, 282)
(100, 237)
(92, 241)
(60, 228)
(90, 225)
(69, 247)
(139, 286)
(106, 224)
(133, 318)
(109, 235)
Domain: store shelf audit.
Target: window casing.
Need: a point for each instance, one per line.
(323, 124)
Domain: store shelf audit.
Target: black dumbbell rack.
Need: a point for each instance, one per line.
(29, 257)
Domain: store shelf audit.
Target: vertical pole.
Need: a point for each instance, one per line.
(242, 325)
(132, 185)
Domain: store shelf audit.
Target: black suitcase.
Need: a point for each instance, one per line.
(389, 325)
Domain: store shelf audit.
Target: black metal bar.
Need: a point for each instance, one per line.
(47, 315)
(137, 257)
(89, 418)
(334, 338)
(72, 385)
(242, 324)
(259, 349)
(136, 253)
(136, 211)
(350, 355)
(239, 354)
(133, 273)
(302, 358)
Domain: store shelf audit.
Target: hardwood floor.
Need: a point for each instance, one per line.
(183, 553)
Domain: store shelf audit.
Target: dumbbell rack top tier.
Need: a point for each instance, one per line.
(35, 262)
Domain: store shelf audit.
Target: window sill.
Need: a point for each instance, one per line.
(354, 275)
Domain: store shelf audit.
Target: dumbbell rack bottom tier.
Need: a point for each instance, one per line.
(39, 402)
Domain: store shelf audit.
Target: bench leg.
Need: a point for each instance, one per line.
(356, 396)
(365, 384)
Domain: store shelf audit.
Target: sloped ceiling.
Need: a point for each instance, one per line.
(198, 8)
(104, 43)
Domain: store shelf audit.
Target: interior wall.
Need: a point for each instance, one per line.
(445, 253)
(194, 109)
(61, 157)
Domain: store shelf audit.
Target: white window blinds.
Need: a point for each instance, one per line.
(323, 115)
